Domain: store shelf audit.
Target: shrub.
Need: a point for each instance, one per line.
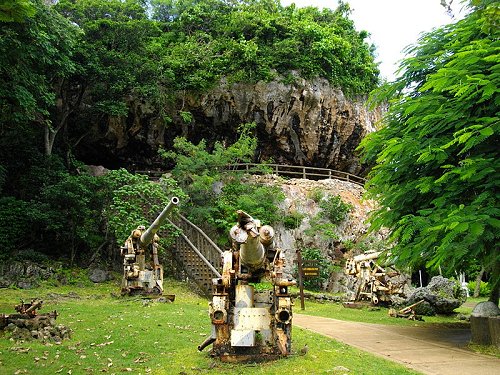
(315, 283)
(293, 220)
(335, 209)
(484, 291)
(316, 195)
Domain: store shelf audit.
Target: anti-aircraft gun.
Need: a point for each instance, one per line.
(373, 281)
(139, 276)
(249, 324)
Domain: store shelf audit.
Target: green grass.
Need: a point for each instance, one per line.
(380, 315)
(116, 335)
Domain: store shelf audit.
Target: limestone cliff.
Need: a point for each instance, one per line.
(348, 237)
(305, 123)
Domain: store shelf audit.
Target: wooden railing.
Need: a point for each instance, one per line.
(296, 171)
(311, 173)
(197, 254)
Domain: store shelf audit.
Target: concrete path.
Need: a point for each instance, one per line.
(430, 350)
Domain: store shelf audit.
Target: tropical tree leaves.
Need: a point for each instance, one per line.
(436, 170)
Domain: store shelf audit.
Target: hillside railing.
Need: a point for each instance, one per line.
(298, 171)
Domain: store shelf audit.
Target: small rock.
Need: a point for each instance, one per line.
(341, 368)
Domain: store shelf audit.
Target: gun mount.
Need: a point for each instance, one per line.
(140, 277)
(373, 281)
(250, 325)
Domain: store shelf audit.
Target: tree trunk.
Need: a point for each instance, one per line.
(50, 136)
(479, 277)
(495, 283)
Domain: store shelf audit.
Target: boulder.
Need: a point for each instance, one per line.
(485, 309)
(441, 296)
(97, 275)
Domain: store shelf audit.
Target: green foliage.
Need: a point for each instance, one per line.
(484, 291)
(318, 226)
(54, 212)
(255, 40)
(316, 195)
(333, 211)
(18, 219)
(437, 169)
(16, 10)
(36, 50)
(325, 268)
(334, 208)
(293, 220)
(31, 256)
(215, 192)
(135, 200)
(194, 164)
(113, 52)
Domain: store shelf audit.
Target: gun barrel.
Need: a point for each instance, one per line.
(148, 235)
(367, 256)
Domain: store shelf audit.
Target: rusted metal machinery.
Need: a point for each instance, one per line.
(139, 276)
(373, 282)
(250, 325)
(28, 324)
(406, 312)
(26, 310)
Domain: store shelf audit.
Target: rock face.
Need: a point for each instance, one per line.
(306, 123)
(441, 296)
(24, 275)
(308, 234)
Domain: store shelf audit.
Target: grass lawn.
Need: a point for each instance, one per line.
(380, 314)
(117, 335)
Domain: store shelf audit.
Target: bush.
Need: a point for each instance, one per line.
(316, 195)
(335, 209)
(293, 220)
(484, 291)
(315, 283)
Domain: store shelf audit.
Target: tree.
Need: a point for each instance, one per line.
(113, 60)
(16, 10)
(437, 168)
(36, 50)
(215, 192)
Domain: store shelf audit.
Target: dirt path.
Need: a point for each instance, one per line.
(430, 350)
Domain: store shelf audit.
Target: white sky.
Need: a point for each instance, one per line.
(392, 24)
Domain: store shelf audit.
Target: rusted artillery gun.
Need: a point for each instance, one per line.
(373, 282)
(26, 311)
(250, 325)
(407, 312)
(140, 277)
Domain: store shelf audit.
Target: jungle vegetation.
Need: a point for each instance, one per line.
(437, 170)
(67, 64)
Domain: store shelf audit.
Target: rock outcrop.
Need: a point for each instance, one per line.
(441, 296)
(310, 231)
(24, 275)
(305, 123)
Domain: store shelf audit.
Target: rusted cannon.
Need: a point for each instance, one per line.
(140, 277)
(373, 281)
(250, 325)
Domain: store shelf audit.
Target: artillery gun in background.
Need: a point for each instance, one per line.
(139, 276)
(250, 325)
(372, 281)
